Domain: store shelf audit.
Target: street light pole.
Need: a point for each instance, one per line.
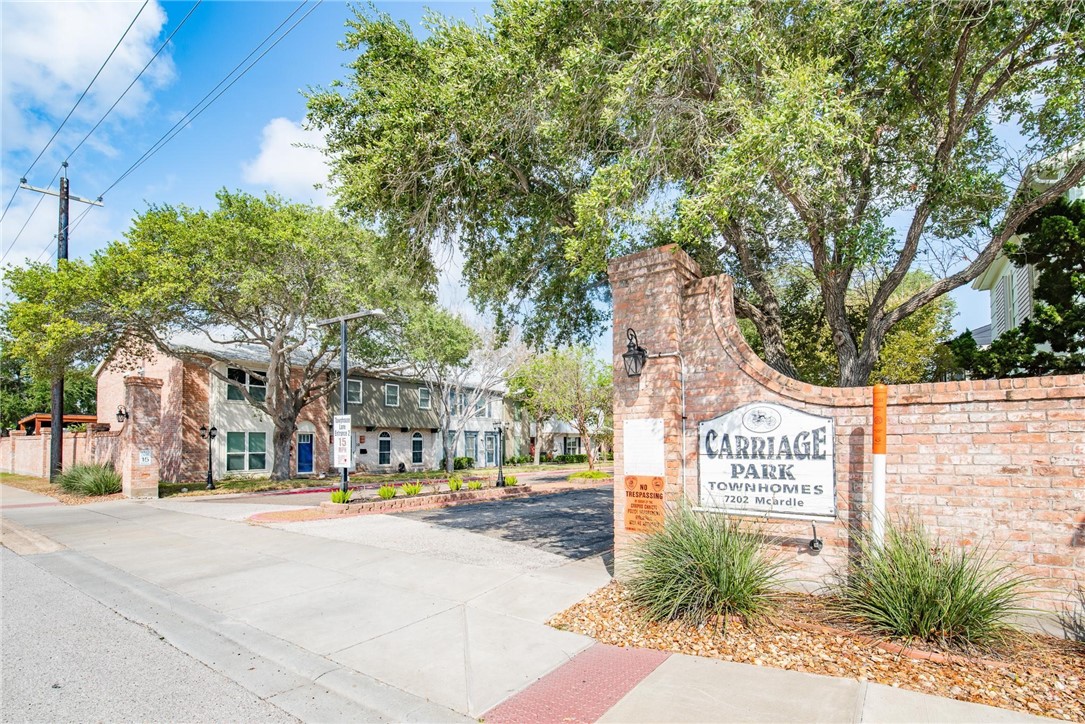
(500, 428)
(209, 436)
(344, 480)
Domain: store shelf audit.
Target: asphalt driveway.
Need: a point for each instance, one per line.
(575, 524)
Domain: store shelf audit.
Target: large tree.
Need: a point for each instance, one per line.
(459, 366)
(842, 135)
(254, 271)
(1051, 341)
(22, 393)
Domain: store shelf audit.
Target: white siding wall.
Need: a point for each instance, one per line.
(235, 416)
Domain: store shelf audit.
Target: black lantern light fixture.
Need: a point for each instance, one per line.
(499, 445)
(635, 355)
(209, 435)
(122, 414)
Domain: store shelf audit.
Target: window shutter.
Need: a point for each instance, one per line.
(998, 308)
(1022, 293)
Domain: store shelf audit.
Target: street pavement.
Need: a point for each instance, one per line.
(368, 618)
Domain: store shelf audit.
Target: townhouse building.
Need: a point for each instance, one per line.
(393, 420)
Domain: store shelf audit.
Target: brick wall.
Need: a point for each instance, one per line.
(990, 463)
(29, 454)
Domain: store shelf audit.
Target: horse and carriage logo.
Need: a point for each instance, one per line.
(761, 419)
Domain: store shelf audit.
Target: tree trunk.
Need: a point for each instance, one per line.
(446, 433)
(282, 439)
(585, 440)
(538, 442)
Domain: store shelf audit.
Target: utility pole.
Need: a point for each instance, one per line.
(56, 425)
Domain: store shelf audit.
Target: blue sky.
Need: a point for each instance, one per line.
(243, 141)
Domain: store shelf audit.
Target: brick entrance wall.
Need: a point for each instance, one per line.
(990, 463)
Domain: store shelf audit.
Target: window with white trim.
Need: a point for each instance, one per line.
(423, 398)
(246, 451)
(384, 449)
(391, 395)
(480, 407)
(354, 392)
(255, 383)
(416, 448)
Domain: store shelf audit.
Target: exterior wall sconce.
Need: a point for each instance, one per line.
(122, 414)
(635, 355)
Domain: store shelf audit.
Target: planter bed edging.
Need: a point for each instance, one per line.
(416, 502)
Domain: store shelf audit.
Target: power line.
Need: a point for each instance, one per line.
(77, 102)
(134, 80)
(28, 218)
(193, 113)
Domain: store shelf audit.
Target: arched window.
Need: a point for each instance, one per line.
(384, 449)
(416, 449)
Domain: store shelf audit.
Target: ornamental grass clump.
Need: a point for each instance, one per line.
(90, 480)
(700, 566)
(474, 484)
(386, 492)
(341, 496)
(914, 587)
(455, 482)
(412, 488)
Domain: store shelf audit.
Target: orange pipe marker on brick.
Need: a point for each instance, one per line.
(877, 498)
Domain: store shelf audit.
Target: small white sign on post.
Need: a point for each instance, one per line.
(341, 441)
(145, 457)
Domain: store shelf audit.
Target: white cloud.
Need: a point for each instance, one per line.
(290, 162)
(51, 51)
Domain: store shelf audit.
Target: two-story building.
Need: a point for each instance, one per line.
(394, 422)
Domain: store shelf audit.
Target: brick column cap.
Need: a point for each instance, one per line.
(136, 381)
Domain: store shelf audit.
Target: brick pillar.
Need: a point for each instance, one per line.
(139, 458)
(648, 289)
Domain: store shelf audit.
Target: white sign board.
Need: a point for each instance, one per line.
(642, 447)
(145, 457)
(767, 459)
(341, 441)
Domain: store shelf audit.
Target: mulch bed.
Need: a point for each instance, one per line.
(1031, 673)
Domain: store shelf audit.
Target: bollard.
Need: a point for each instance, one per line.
(877, 517)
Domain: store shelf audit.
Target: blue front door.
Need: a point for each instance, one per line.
(305, 453)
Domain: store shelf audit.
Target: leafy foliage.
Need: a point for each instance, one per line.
(590, 475)
(474, 484)
(341, 496)
(455, 482)
(412, 488)
(855, 138)
(511, 481)
(89, 479)
(913, 586)
(22, 393)
(699, 566)
(1052, 340)
(386, 492)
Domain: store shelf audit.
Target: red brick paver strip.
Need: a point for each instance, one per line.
(581, 690)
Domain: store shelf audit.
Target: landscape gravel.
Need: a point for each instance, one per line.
(1035, 674)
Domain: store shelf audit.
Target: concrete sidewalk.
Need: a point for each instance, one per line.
(383, 618)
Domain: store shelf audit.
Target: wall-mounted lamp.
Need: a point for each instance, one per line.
(122, 414)
(635, 355)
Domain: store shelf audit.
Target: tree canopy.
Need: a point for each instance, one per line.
(254, 271)
(1052, 340)
(856, 138)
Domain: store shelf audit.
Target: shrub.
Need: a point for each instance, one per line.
(341, 496)
(519, 460)
(460, 463)
(590, 475)
(474, 484)
(698, 566)
(412, 488)
(914, 587)
(510, 481)
(386, 492)
(1072, 617)
(566, 459)
(455, 482)
(90, 480)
